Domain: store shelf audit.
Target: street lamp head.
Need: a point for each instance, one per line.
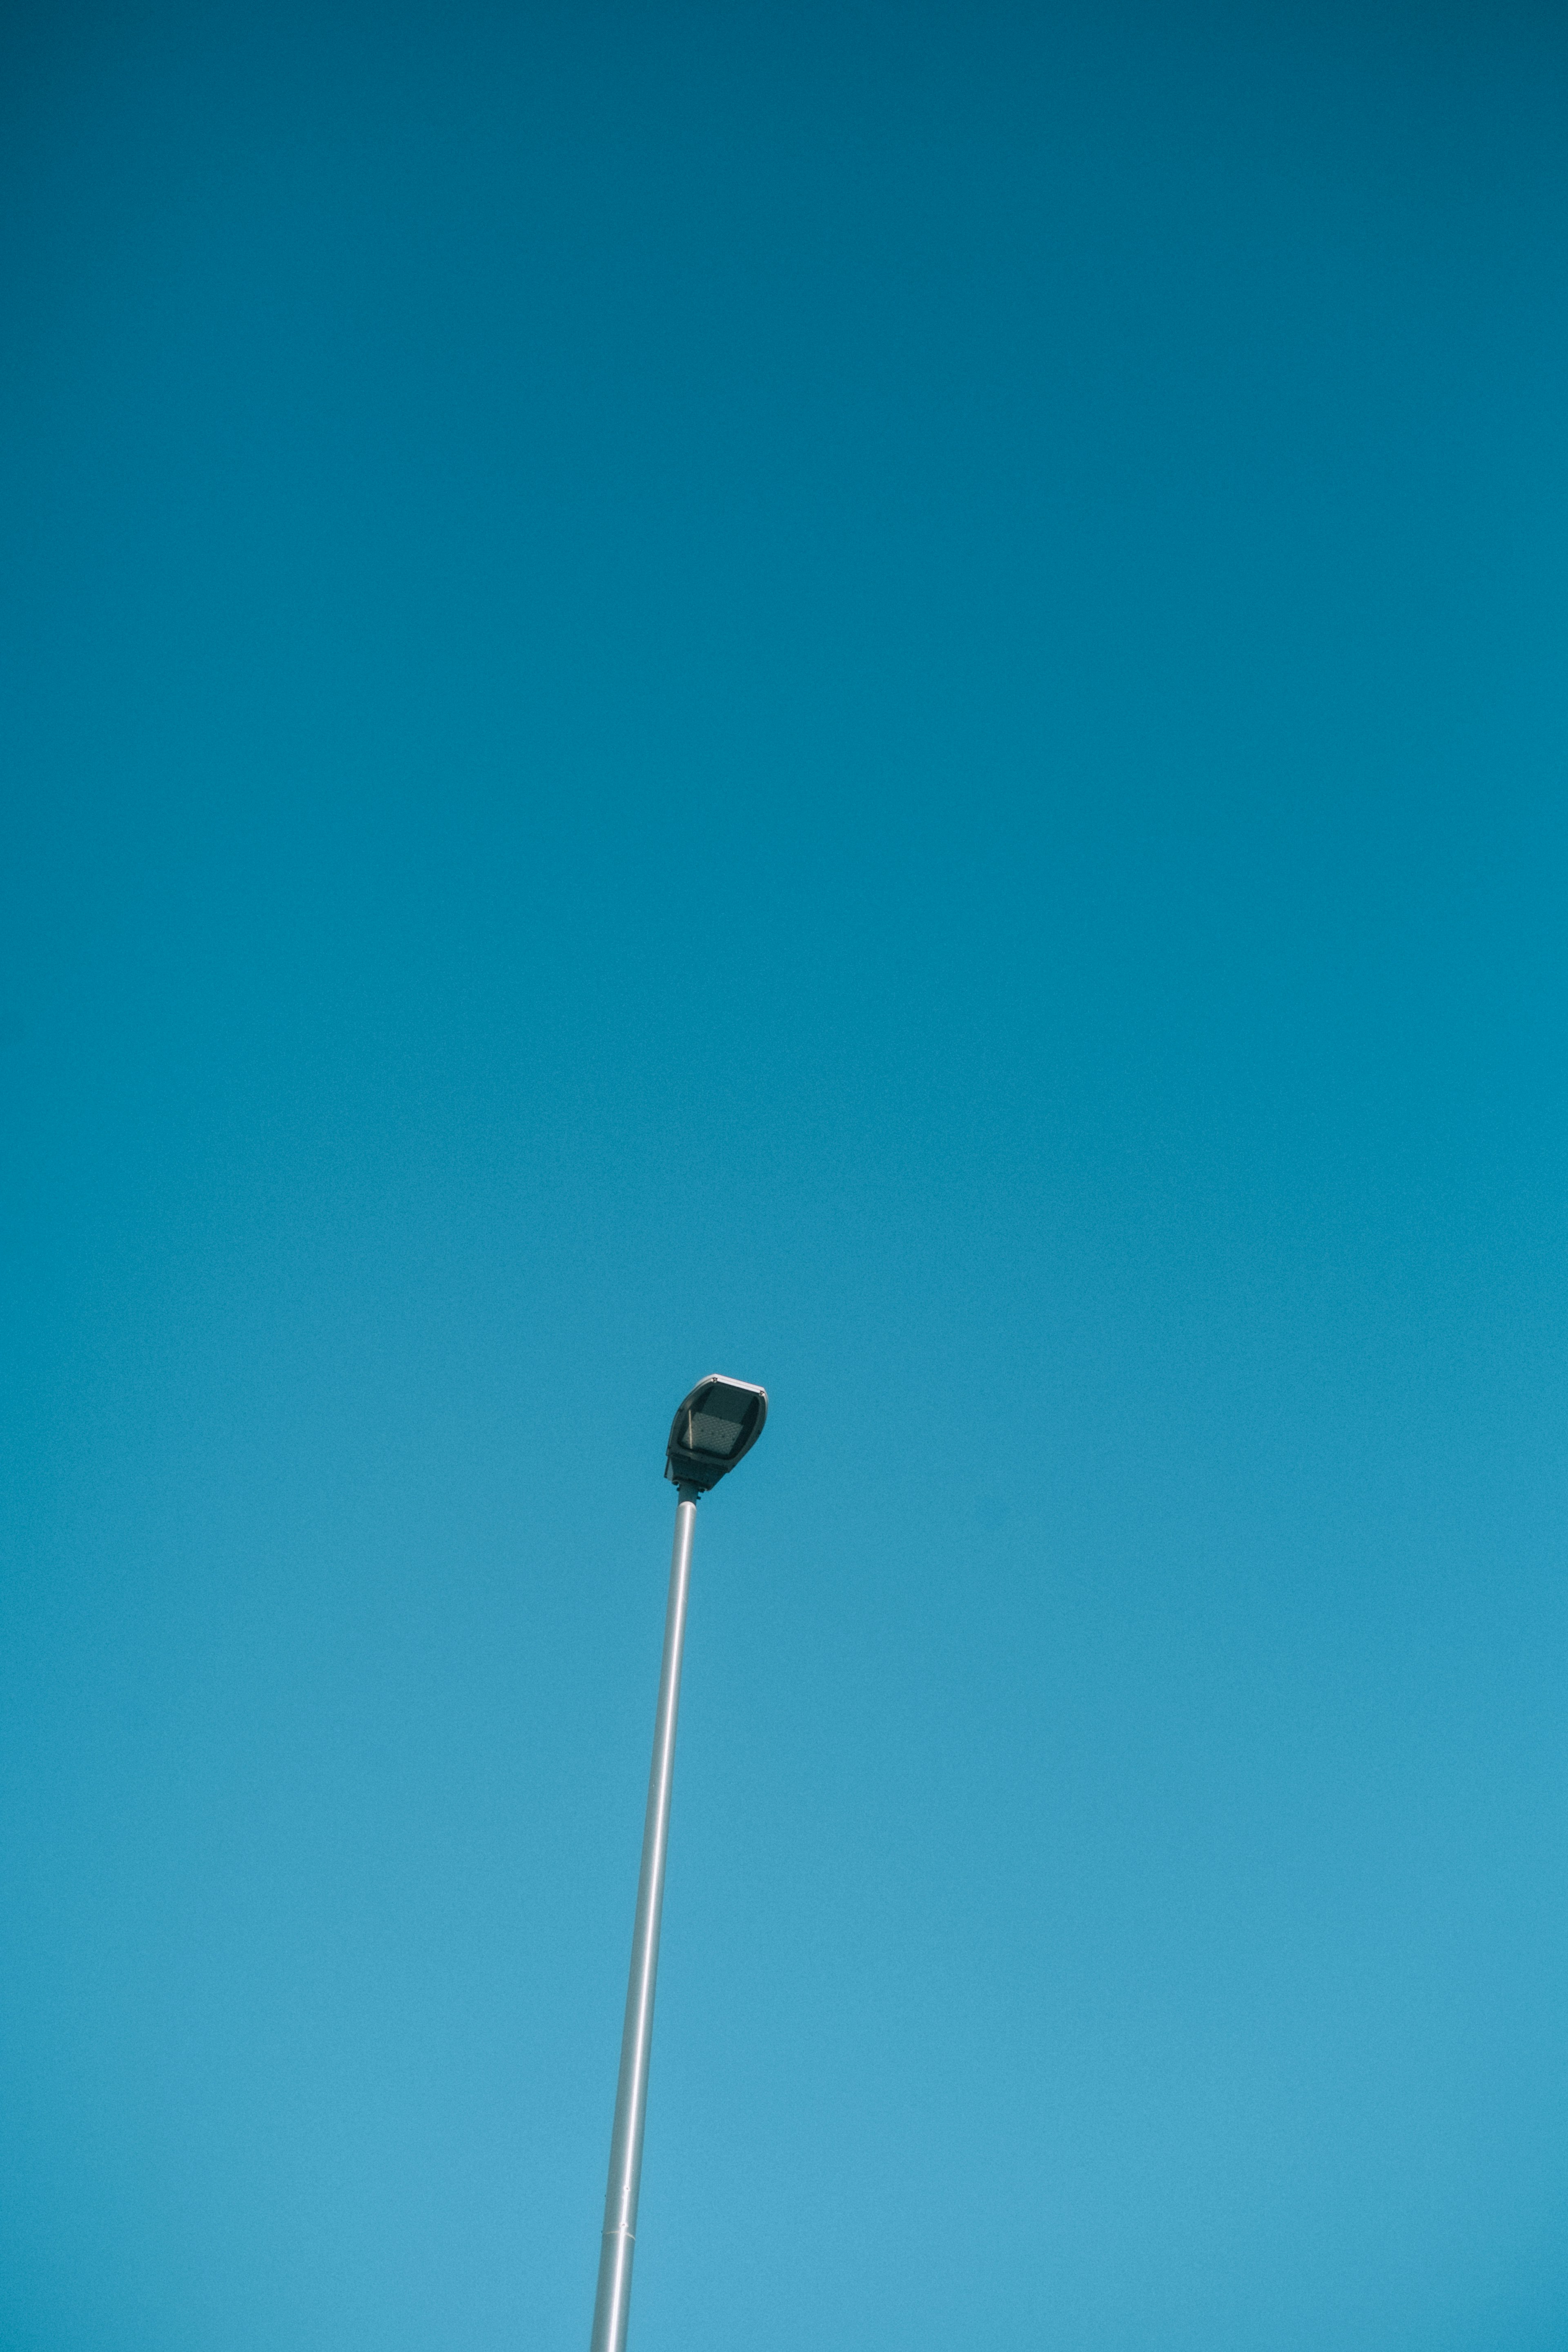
(718, 1422)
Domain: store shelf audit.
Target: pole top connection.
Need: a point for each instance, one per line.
(720, 1420)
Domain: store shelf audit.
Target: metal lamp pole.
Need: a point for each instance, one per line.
(714, 1426)
(613, 2303)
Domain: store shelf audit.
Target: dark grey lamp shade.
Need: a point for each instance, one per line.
(720, 1421)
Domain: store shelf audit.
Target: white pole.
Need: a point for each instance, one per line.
(613, 2302)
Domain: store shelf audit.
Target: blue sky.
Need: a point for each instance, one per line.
(873, 697)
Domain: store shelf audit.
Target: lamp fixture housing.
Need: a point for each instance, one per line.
(720, 1420)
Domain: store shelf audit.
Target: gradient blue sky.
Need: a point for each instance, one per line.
(872, 695)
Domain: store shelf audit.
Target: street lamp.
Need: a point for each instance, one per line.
(713, 1427)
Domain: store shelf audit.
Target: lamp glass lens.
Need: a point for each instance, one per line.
(710, 1434)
